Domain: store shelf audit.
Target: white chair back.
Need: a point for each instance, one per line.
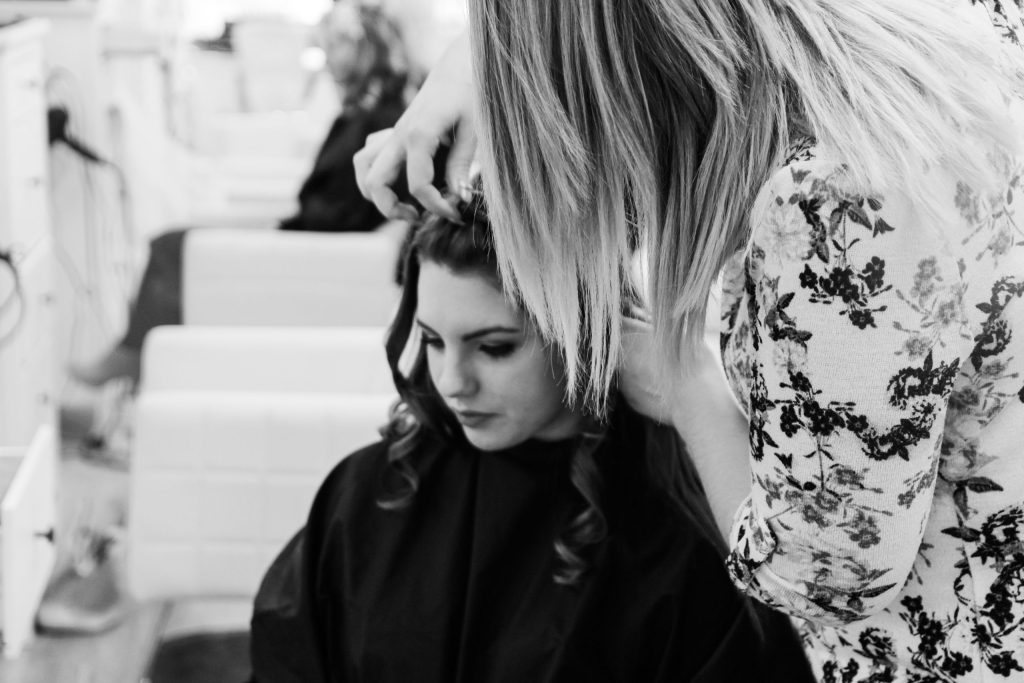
(220, 481)
(277, 277)
(345, 360)
(235, 428)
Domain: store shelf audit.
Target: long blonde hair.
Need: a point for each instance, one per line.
(601, 116)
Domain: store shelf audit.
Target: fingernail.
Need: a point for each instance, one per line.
(465, 190)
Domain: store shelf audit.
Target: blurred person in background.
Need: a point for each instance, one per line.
(369, 64)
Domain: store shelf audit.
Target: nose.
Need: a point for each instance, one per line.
(456, 379)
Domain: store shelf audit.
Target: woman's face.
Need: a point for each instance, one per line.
(343, 39)
(487, 362)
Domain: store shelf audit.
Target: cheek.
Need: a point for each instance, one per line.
(533, 391)
(342, 61)
(433, 365)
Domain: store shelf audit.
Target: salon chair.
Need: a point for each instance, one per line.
(277, 372)
(235, 427)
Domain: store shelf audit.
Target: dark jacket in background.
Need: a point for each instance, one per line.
(329, 200)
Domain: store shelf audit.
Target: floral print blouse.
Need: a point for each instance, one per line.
(878, 352)
(1006, 16)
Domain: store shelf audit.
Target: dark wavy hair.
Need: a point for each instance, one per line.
(421, 414)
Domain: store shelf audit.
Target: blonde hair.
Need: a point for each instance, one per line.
(600, 116)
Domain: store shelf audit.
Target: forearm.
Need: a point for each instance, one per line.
(716, 436)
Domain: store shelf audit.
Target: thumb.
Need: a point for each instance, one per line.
(460, 160)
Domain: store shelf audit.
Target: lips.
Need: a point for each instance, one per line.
(472, 418)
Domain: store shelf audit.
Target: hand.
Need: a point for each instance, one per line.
(443, 107)
(642, 380)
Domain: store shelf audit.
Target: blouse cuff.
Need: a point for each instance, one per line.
(752, 542)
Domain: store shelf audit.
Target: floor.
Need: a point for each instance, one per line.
(121, 655)
(92, 494)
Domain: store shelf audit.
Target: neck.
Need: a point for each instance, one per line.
(570, 424)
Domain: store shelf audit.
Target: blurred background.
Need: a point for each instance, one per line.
(137, 514)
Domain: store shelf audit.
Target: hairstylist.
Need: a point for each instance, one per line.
(851, 169)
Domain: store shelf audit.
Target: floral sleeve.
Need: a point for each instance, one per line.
(1006, 16)
(854, 331)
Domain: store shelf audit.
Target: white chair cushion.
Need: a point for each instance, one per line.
(285, 359)
(277, 277)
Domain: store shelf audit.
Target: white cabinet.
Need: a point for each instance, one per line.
(27, 351)
(28, 516)
(27, 312)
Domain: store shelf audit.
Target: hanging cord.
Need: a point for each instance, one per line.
(14, 301)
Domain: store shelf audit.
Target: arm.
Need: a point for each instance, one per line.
(702, 410)
(857, 335)
(706, 416)
(855, 312)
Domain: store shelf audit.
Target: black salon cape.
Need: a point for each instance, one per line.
(458, 587)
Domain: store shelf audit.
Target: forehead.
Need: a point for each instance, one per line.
(462, 300)
(344, 23)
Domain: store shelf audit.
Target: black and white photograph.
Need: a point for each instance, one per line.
(511, 341)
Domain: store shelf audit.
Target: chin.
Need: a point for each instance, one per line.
(486, 441)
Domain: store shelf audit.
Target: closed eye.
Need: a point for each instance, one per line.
(498, 350)
(432, 342)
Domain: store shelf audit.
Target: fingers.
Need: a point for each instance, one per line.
(460, 162)
(378, 173)
(381, 159)
(419, 173)
(635, 326)
(441, 105)
(364, 158)
(639, 314)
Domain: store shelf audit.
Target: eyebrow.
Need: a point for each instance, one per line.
(482, 332)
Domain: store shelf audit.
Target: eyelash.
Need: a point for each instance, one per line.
(498, 350)
(493, 350)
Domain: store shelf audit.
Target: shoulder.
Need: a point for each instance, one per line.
(366, 459)
(353, 479)
(812, 176)
(809, 180)
(811, 210)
